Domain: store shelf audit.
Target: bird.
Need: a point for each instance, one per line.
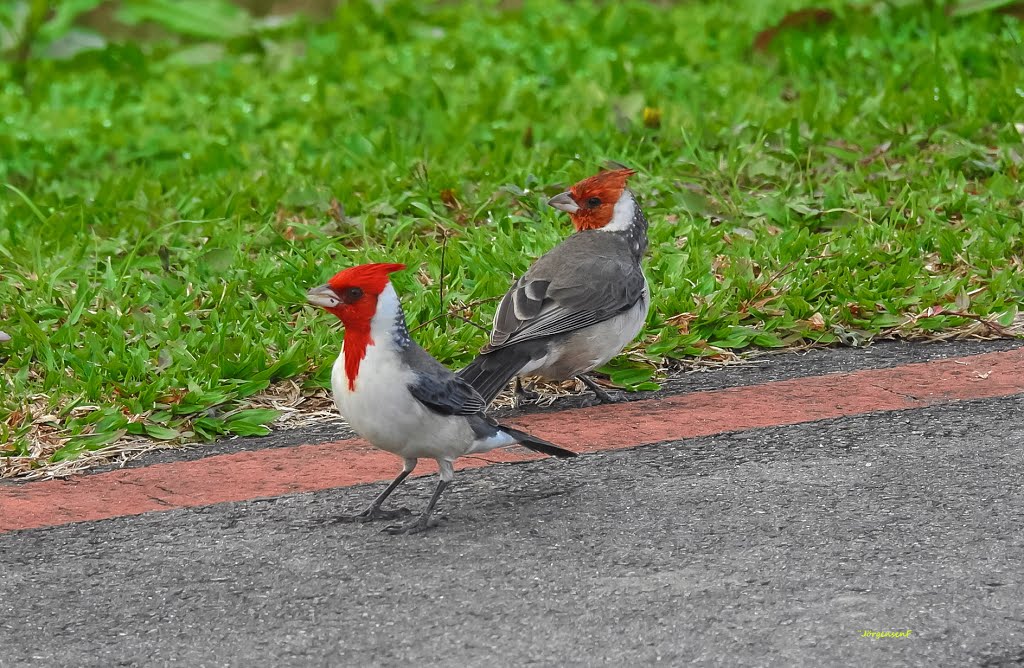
(580, 303)
(395, 395)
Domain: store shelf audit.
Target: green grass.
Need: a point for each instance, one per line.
(167, 206)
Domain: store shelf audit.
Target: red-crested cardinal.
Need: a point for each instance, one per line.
(580, 303)
(398, 397)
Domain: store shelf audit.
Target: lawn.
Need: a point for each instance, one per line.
(165, 204)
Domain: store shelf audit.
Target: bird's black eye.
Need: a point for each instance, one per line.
(594, 202)
(351, 295)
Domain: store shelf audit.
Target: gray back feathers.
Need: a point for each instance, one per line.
(588, 278)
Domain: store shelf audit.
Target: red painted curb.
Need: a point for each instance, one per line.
(276, 471)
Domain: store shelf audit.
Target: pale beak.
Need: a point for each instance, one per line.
(323, 296)
(564, 202)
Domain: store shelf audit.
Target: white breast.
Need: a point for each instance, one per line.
(382, 410)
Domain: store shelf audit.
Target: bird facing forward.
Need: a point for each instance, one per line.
(580, 303)
(398, 397)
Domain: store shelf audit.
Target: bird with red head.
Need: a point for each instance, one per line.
(398, 397)
(580, 303)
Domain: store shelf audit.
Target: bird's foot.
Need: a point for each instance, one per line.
(418, 525)
(601, 396)
(524, 395)
(372, 514)
(604, 398)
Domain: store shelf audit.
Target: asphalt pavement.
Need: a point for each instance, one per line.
(777, 546)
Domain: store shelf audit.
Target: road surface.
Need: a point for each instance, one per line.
(772, 546)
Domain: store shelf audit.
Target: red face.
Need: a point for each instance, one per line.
(596, 197)
(351, 294)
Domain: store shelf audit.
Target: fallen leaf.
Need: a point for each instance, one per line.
(802, 18)
(816, 322)
(173, 397)
(337, 210)
(877, 152)
(682, 322)
(720, 263)
(450, 200)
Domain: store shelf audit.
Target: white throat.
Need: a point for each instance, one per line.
(622, 214)
(382, 350)
(382, 325)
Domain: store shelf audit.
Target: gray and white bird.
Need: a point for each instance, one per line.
(398, 397)
(580, 303)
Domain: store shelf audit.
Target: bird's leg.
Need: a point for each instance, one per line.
(522, 394)
(602, 396)
(374, 512)
(422, 523)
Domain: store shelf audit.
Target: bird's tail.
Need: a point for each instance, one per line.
(489, 373)
(537, 444)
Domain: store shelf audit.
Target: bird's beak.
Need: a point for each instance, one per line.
(564, 202)
(323, 296)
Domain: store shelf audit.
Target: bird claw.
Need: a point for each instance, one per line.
(601, 396)
(598, 399)
(416, 526)
(524, 395)
(372, 514)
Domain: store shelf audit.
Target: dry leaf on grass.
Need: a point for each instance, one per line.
(816, 322)
(801, 18)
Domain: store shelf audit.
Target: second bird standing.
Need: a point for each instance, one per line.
(580, 303)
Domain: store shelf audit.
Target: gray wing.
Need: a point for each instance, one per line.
(437, 388)
(589, 278)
